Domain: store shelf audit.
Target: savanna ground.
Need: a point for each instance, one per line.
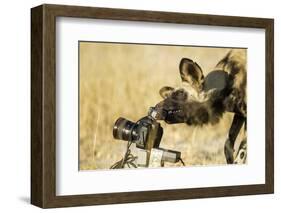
(123, 80)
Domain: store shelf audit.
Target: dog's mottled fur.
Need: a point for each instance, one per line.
(193, 105)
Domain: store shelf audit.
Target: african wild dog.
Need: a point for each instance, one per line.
(203, 100)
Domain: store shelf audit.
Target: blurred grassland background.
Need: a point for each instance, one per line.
(123, 80)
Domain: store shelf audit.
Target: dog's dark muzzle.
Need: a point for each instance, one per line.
(169, 112)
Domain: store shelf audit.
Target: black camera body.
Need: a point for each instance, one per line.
(145, 133)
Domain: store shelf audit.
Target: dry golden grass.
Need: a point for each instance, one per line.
(123, 80)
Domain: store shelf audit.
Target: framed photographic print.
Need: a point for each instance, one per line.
(135, 106)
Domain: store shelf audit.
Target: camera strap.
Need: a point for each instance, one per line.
(127, 160)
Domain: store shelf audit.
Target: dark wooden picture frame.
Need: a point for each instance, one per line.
(43, 105)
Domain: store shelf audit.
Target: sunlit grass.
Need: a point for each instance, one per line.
(118, 80)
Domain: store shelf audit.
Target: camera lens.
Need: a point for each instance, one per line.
(124, 130)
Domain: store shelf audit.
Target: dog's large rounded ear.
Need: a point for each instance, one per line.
(191, 72)
(166, 91)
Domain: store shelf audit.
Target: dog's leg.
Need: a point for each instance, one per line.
(241, 156)
(236, 125)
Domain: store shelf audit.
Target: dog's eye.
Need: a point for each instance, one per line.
(179, 95)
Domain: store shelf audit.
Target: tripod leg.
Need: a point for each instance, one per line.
(235, 128)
